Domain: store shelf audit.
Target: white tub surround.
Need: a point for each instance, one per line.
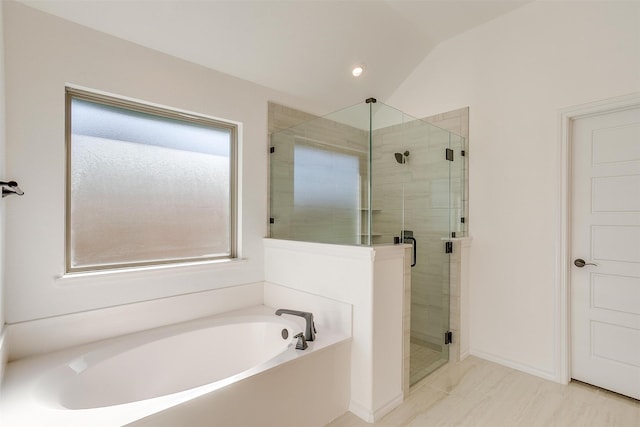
(55, 333)
(372, 280)
(203, 372)
(328, 314)
(311, 391)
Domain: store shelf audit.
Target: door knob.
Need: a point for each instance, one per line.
(581, 263)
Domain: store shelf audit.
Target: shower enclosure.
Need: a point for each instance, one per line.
(371, 175)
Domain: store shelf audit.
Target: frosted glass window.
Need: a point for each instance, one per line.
(146, 187)
(326, 189)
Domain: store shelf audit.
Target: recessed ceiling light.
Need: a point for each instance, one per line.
(357, 71)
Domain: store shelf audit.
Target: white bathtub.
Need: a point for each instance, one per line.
(195, 373)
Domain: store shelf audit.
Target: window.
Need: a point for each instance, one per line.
(146, 185)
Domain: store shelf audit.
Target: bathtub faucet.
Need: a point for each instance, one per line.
(310, 329)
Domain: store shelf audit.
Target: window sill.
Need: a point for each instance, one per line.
(133, 272)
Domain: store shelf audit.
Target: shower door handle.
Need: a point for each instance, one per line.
(414, 259)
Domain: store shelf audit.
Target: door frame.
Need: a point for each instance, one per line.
(562, 321)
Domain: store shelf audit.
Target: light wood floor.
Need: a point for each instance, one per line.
(479, 393)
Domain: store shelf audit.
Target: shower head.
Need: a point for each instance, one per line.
(401, 157)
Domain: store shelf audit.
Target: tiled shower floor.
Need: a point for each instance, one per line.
(423, 361)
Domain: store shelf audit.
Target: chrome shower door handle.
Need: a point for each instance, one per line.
(579, 262)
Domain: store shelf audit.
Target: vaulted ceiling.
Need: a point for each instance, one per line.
(305, 48)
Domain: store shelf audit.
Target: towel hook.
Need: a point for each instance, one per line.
(9, 188)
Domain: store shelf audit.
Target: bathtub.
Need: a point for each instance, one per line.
(236, 369)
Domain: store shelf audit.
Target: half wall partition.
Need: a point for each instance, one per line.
(370, 175)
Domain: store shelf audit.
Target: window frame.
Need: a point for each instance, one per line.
(164, 112)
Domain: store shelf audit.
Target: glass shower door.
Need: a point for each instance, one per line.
(428, 213)
(411, 190)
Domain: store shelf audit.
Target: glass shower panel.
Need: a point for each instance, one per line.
(457, 191)
(389, 182)
(319, 180)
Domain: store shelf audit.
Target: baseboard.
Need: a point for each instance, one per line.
(514, 365)
(464, 355)
(370, 416)
(388, 407)
(360, 411)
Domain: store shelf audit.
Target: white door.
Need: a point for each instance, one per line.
(605, 297)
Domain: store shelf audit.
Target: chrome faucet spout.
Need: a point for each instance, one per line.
(310, 327)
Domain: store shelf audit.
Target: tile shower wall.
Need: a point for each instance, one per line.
(326, 188)
(457, 121)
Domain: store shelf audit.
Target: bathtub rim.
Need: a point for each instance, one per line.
(18, 396)
(62, 379)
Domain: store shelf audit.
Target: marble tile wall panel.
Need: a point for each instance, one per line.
(281, 117)
(406, 323)
(454, 300)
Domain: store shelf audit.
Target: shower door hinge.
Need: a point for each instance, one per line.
(463, 153)
(448, 337)
(272, 220)
(272, 150)
(453, 234)
(448, 154)
(448, 247)
(462, 220)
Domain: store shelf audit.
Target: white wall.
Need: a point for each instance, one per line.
(51, 334)
(516, 73)
(372, 280)
(43, 53)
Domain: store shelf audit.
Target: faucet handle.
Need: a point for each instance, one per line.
(302, 343)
